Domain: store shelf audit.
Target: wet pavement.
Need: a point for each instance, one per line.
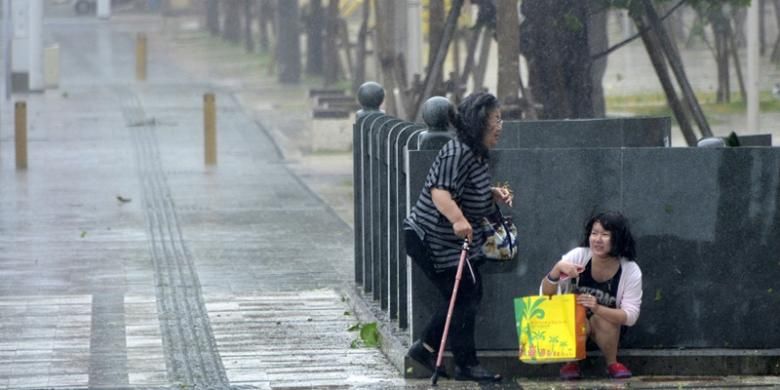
(126, 262)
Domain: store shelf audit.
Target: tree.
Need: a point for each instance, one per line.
(231, 30)
(657, 58)
(598, 39)
(288, 48)
(331, 55)
(360, 62)
(436, 12)
(435, 67)
(719, 15)
(507, 22)
(265, 19)
(386, 51)
(212, 17)
(249, 43)
(314, 27)
(554, 41)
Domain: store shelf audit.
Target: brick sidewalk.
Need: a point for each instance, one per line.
(125, 261)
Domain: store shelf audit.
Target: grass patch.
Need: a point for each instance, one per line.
(654, 104)
(235, 60)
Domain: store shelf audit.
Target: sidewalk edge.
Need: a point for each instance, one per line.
(391, 343)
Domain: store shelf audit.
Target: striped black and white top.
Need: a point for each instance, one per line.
(467, 178)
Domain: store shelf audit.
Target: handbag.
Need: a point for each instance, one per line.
(500, 237)
(550, 329)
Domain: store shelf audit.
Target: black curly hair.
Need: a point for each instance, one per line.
(471, 120)
(622, 241)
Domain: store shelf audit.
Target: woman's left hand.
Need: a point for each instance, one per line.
(588, 301)
(503, 195)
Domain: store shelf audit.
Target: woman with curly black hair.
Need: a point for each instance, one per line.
(608, 282)
(456, 196)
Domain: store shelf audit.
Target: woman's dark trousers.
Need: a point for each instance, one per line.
(461, 334)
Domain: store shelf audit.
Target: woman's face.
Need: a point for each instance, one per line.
(493, 131)
(600, 240)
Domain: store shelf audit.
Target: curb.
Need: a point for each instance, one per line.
(390, 339)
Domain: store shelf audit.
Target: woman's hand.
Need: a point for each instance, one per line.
(462, 229)
(565, 269)
(588, 301)
(502, 195)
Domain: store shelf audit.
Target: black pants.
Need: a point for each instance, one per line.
(461, 334)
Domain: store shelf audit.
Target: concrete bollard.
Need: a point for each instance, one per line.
(210, 128)
(140, 57)
(436, 113)
(20, 134)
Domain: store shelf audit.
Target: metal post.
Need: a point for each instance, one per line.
(210, 128)
(103, 9)
(140, 57)
(7, 39)
(20, 134)
(753, 68)
(35, 48)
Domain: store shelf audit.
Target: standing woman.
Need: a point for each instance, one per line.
(608, 283)
(456, 196)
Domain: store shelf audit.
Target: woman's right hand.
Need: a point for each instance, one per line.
(564, 269)
(462, 229)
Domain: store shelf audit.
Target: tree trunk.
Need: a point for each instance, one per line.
(737, 66)
(346, 46)
(718, 24)
(288, 48)
(740, 17)
(434, 70)
(554, 41)
(231, 30)
(658, 60)
(484, 56)
(385, 48)
(212, 17)
(762, 27)
(599, 42)
(314, 28)
(360, 66)
(471, 48)
(248, 41)
(264, 18)
(331, 55)
(436, 12)
(775, 58)
(677, 68)
(507, 27)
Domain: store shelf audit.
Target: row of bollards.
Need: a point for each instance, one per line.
(209, 131)
(209, 115)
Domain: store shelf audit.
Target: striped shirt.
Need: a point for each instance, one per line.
(466, 177)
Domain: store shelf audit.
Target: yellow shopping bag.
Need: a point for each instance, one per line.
(551, 328)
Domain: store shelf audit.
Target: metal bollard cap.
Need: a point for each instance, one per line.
(370, 95)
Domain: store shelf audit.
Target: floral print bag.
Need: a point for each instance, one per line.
(500, 237)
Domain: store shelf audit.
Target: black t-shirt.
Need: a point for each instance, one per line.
(605, 292)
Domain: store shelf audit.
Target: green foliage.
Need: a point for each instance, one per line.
(654, 104)
(637, 6)
(368, 335)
